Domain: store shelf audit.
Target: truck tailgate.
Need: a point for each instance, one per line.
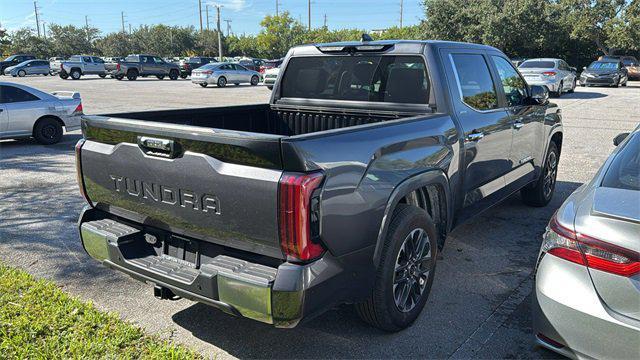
(214, 185)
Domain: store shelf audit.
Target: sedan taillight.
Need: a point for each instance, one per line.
(79, 178)
(118, 67)
(585, 250)
(549, 73)
(298, 215)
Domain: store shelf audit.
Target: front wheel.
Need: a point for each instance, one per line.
(540, 193)
(102, 75)
(254, 80)
(183, 76)
(119, 77)
(174, 74)
(160, 77)
(22, 73)
(406, 271)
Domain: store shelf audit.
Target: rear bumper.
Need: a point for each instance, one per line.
(552, 85)
(281, 295)
(568, 310)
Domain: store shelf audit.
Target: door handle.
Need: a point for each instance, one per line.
(475, 136)
(518, 125)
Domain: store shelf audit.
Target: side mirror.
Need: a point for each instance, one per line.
(539, 94)
(573, 69)
(584, 68)
(619, 138)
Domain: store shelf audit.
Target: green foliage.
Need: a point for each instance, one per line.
(39, 321)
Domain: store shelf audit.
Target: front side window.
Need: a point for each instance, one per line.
(10, 94)
(86, 59)
(372, 78)
(240, 68)
(474, 81)
(515, 89)
(97, 60)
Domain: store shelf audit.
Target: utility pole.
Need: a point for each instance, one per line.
(219, 34)
(309, 10)
(325, 20)
(207, 11)
(401, 12)
(129, 28)
(44, 29)
(35, 8)
(200, 13)
(122, 16)
(86, 27)
(228, 26)
(277, 7)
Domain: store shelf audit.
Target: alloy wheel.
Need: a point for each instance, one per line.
(412, 270)
(551, 170)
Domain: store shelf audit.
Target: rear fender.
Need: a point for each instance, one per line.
(432, 177)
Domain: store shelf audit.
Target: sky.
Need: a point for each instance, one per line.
(245, 15)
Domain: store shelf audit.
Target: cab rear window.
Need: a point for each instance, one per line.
(394, 79)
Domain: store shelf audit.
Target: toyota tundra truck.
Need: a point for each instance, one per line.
(341, 190)
(143, 65)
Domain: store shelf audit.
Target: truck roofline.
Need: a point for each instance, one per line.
(419, 44)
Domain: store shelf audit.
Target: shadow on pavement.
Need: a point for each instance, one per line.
(483, 262)
(584, 95)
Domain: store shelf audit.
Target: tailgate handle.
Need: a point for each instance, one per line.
(157, 147)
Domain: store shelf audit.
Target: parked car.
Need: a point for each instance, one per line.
(605, 72)
(554, 74)
(112, 59)
(270, 77)
(337, 191)
(54, 64)
(29, 67)
(189, 64)
(222, 74)
(79, 65)
(29, 112)
(251, 64)
(14, 60)
(517, 61)
(143, 65)
(587, 292)
(270, 64)
(632, 65)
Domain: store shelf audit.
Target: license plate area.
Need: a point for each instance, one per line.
(182, 251)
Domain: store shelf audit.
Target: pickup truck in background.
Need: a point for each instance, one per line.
(342, 189)
(143, 65)
(79, 65)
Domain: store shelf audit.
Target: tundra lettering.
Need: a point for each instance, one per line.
(341, 190)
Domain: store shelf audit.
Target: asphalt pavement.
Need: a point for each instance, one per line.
(480, 301)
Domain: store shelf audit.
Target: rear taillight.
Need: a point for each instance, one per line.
(78, 110)
(549, 73)
(61, 66)
(118, 67)
(593, 253)
(79, 178)
(299, 215)
(207, 72)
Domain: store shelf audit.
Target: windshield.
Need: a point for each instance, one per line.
(624, 172)
(10, 58)
(24, 63)
(537, 64)
(399, 79)
(601, 65)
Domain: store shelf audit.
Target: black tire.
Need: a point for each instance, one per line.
(541, 192)
(183, 76)
(222, 81)
(255, 79)
(573, 87)
(47, 131)
(204, 84)
(132, 75)
(269, 87)
(174, 74)
(119, 77)
(381, 309)
(102, 75)
(75, 74)
(160, 77)
(558, 93)
(64, 75)
(22, 73)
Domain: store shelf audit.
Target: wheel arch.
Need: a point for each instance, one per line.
(44, 117)
(76, 68)
(428, 191)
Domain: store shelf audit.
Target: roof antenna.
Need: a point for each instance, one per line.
(366, 37)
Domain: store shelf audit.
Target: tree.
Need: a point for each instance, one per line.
(5, 42)
(279, 33)
(25, 41)
(114, 44)
(70, 40)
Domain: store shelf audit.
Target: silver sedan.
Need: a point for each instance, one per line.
(222, 74)
(555, 74)
(587, 292)
(27, 112)
(29, 67)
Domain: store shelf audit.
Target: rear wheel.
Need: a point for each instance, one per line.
(174, 74)
(22, 73)
(222, 81)
(132, 75)
(559, 92)
(102, 75)
(540, 193)
(204, 84)
(75, 74)
(406, 271)
(183, 76)
(64, 75)
(119, 77)
(160, 77)
(573, 86)
(254, 80)
(269, 87)
(47, 131)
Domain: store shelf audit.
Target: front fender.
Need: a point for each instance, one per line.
(431, 177)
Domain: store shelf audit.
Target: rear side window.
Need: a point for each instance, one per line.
(624, 172)
(86, 59)
(10, 94)
(474, 81)
(397, 79)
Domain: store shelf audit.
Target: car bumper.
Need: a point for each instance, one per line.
(599, 81)
(551, 85)
(281, 296)
(568, 310)
(269, 81)
(204, 79)
(72, 123)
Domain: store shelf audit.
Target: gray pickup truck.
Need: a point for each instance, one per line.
(134, 66)
(79, 65)
(342, 189)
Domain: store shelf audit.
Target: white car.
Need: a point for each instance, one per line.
(29, 112)
(554, 74)
(270, 77)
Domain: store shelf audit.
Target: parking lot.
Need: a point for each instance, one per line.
(479, 303)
